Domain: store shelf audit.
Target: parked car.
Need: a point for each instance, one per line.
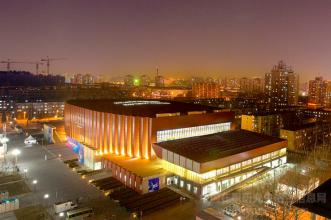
(230, 211)
(64, 206)
(30, 140)
(270, 204)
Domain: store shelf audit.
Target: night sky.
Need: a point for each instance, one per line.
(183, 38)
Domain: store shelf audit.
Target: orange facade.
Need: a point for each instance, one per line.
(128, 135)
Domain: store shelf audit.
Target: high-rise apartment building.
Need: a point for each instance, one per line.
(281, 86)
(328, 94)
(251, 85)
(205, 89)
(317, 92)
(83, 79)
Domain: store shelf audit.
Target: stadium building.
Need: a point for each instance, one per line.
(150, 144)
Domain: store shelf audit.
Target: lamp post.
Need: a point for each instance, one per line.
(34, 182)
(3, 141)
(46, 197)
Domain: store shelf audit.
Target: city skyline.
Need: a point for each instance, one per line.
(218, 39)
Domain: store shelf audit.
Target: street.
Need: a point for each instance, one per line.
(55, 179)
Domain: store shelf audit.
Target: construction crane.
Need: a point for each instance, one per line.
(9, 62)
(37, 65)
(48, 60)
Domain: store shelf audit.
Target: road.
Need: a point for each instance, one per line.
(55, 179)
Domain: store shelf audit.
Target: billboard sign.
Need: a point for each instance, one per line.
(153, 184)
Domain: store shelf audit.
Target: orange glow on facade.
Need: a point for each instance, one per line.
(128, 135)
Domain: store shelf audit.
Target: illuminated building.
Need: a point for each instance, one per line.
(306, 137)
(211, 164)
(268, 124)
(84, 79)
(39, 109)
(251, 86)
(320, 114)
(328, 94)
(317, 93)
(185, 145)
(205, 89)
(281, 86)
(123, 131)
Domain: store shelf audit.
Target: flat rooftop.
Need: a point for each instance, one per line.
(306, 126)
(215, 146)
(144, 108)
(318, 201)
(140, 167)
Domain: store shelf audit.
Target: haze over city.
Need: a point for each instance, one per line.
(182, 38)
(165, 110)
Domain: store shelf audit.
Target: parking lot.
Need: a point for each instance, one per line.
(56, 179)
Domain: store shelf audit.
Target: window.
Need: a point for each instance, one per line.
(265, 156)
(235, 166)
(176, 180)
(191, 132)
(195, 189)
(188, 187)
(257, 159)
(181, 183)
(246, 163)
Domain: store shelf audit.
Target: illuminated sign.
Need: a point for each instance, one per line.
(153, 184)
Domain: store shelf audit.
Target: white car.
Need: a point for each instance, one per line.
(270, 204)
(30, 140)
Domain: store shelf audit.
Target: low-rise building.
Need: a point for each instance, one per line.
(212, 164)
(268, 124)
(39, 109)
(306, 137)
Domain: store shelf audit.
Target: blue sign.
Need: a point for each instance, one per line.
(77, 148)
(81, 154)
(153, 184)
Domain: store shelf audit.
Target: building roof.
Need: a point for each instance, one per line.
(296, 127)
(215, 146)
(296, 180)
(144, 108)
(317, 201)
(140, 167)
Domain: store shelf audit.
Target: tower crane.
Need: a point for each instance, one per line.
(48, 60)
(9, 62)
(37, 65)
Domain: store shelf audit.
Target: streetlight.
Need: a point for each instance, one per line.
(61, 214)
(3, 141)
(34, 182)
(16, 152)
(46, 196)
